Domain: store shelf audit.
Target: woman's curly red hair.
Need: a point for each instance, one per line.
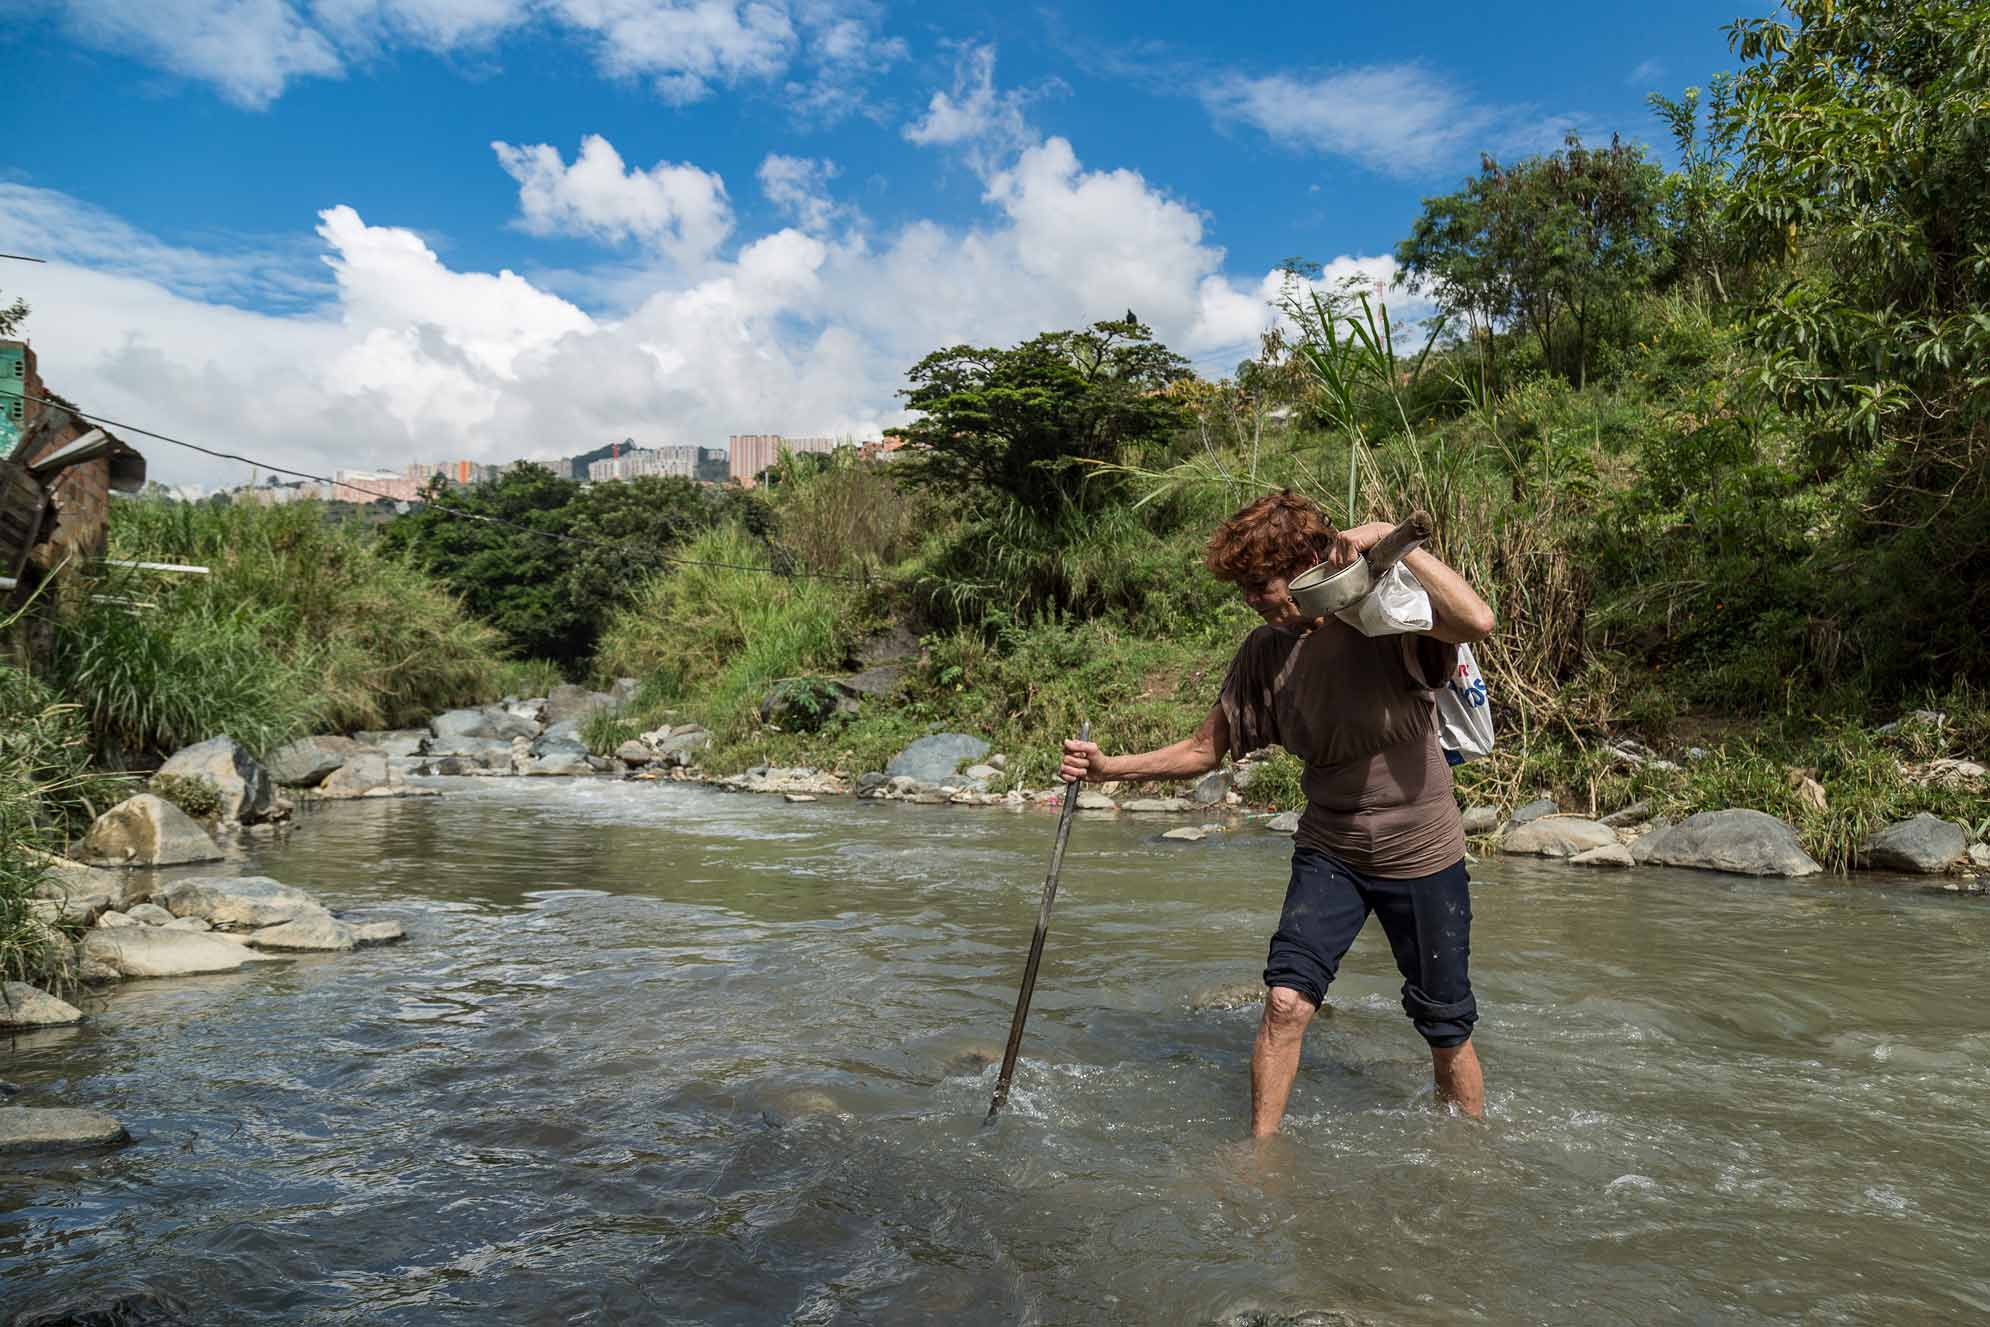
(1279, 535)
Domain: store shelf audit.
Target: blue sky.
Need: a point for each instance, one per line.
(359, 232)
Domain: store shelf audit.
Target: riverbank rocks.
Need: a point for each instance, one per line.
(82, 893)
(1533, 810)
(394, 741)
(1480, 819)
(25, 1006)
(56, 1128)
(251, 900)
(358, 777)
(1211, 788)
(936, 759)
(150, 914)
(565, 702)
(785, 779)
(1285, 822)
(314, 932)
(633, 752)
(147, 831)
(1186, 834)
(247, 792)
(1613, 856)
(1634, 814)
(1158, 805)
(1557, 836)
(1740, 842)
(1925, 844)
(490, 722)
(305, 762)
(1096, 801)
(146, 951)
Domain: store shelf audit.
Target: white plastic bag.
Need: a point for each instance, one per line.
(1400, 604)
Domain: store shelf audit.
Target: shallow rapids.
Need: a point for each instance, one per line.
(657, 1054)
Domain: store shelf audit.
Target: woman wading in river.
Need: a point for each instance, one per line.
(1381, 831)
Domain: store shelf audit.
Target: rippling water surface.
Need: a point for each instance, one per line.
(656, 1054)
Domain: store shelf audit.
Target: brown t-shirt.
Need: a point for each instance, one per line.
(1358, 711)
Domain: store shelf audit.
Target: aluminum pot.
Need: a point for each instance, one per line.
(1324, 589)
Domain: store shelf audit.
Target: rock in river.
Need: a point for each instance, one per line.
(937, 758)
(247, 794)
(22, 1005)
(149, 913)
(148, 831)
(1158, 805)
(52, 1128)
(250, 900)
(1927, 844)
(1557, 836)
(1608, 855)
(82, 891)
(305, 762)
(358, 776)
(1286, 822)
(1739, 841)
(318, 932)
(146, 951)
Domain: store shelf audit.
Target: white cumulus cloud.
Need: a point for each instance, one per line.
(975, 114)
(678, 209)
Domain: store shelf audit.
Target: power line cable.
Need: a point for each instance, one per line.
(620, 546)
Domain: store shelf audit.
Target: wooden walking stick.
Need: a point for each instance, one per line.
(1036, 942)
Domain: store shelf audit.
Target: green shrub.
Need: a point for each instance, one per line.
(193, 794)
(527, 677)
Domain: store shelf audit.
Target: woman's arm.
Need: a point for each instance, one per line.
(1457, 615)
(1194, 755)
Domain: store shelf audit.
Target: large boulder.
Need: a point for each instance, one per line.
(305, 762)
(147, 951)
(1741, 842)
(559, 746)
(1557, 836)
(1211, 788)
(247, 793)
(565, 702)
(358, 776)
(491, 722)
(1534, 810)
(937, 758)
(147, 831)
(53, 1128)
(395, 741)
(22, 1005)
(1926, 844)
(250, 900)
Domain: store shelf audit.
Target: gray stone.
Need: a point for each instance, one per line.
(634, 753)
(559, 746)
(80, 892)
(22, 1005)
(1211, 788)
(1738, 841)
(188, 924)
(395, 741)
(145, 951)
(1158, 805)
(490, 722)
(1286, 822)
(250, 900)
(147, 831)
(533, 711)
(1609, 854)
(1532, 811)
(376, 933)
(111, 919)
(1979, 854)
(869, 784)
(357, 777)
(484, 750)
(1634, 814)
(305, 762)
(1096, 801)
(151, 914)
(247, 794)
(1926, 844)
(1186, 834)
(981, 773)
(1481, 819)
(567, 703)
(56, 1128)
(319, 933)
(798, 797)
(880, 681)
(1557, 836)
(95, 972)
(558, 764)
(937, 758)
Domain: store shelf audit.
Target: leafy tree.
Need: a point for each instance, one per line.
(1020, 422)
(1697, 194)
(652, 513)
(507, 574)
(1551, 244)
(12, 316)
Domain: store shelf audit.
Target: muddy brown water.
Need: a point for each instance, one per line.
(658, 1054)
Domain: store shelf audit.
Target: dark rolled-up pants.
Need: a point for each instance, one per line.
(1428, 920)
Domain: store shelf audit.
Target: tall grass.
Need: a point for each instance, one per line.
(299, 624)
(723, 636)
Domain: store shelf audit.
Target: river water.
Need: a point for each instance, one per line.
(658, 1054)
